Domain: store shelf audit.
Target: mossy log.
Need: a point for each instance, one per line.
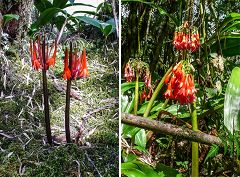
(166, 128)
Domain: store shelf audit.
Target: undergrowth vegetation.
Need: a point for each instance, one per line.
(94, 110)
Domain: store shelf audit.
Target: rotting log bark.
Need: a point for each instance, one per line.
(166, 128)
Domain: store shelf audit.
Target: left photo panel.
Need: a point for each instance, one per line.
(59, 88)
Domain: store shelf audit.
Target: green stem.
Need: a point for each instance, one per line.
(155, 94)
(67, 109)
(45, 95)
(136, 94)
(195, 168)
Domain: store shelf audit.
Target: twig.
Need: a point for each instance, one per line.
(5, 135)
(79, 171)
(99, 174)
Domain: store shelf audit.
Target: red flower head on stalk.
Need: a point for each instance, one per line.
(34, 58)
(36, 54)
(181, 85)
(78, 68)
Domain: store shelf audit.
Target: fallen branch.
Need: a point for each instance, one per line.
(166, 128)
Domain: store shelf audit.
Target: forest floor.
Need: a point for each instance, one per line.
(94, 108)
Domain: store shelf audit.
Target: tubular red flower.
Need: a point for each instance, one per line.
(66, 72)
(51, 61)
(84, 72)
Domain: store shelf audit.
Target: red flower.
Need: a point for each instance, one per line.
(184, 41)
(51, 61)
(36, 55)
(34, 58)
(129, 73)
(181, 86)
(84, 70)
(78, 68)
(66, 72)
(169, 94)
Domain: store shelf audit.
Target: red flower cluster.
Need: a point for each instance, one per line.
(180, 85)
(37, 57)
(79, 65)
(129, 73)
(184, 41)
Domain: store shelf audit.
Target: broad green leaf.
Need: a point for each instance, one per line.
(89, 20)
(42, 5)
(9, 17)
(106, 28)
(60, 4)
(124, 102)
(128, 165)
(59, 21)
(133, 173)
(46, 16)
(84, 12)
(128, 157)
(130, 105)
(129, 131)
(168, 171)
(232, 102)
(228, 21)
(141, 138)
(212, 152)
(230, 45)
(148, 170)
(79, 4)
(129, 85)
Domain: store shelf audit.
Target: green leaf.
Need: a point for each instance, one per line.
(9, 17)
(128, 157)
(106, 28)
(129, 85)
(47, 16)
(129, 131)
(60, 4)
(232, 102)
(79, 4)
(168, 171)
(89, 20)
(42, 5)
(161, 10)
(230, 45)
(133, 173)
(141, 138)
(212, 152)
(228, 22)
(211, 92)
(84, 12)
(59, 21)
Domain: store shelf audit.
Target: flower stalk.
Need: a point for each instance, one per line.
(45, 95)
(195, 165)
(67, 108)
(136, 94)
(155, 93)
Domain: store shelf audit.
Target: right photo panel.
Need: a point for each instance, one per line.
(180, 93)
